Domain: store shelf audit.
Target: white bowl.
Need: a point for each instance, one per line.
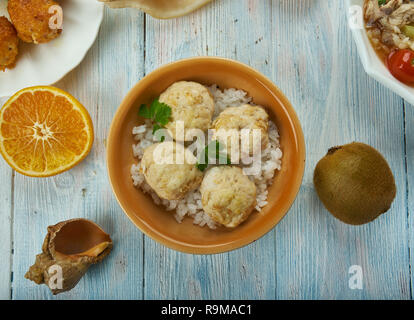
(373, 64)
(45, 64)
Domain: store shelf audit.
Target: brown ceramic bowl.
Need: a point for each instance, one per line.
(161, 225)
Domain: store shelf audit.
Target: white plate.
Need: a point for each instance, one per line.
(45, 64)
(373, 64)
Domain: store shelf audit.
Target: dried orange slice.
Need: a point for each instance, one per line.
(44, 131)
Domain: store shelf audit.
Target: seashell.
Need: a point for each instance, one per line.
(69, 249)
(161, 9)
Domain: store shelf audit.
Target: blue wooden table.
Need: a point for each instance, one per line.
(305, 47)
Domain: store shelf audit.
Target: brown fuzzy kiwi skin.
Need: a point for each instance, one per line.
(355, 183)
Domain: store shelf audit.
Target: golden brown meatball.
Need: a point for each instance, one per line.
(170, 170)
(228, 195)
(190, 103)
(31, 20)
(236, 119)
(8, 44)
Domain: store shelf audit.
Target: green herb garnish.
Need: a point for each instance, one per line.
(217, 156)
(408, 30)
(158, 112)
(381, 2)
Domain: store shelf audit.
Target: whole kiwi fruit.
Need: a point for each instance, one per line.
(355, 183)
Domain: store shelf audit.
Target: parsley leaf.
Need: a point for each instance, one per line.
(162, 112)
(158, 112)
(155, 128)
(220, 156)
(144, 112)
(382, 2)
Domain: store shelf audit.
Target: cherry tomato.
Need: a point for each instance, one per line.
(401, 65)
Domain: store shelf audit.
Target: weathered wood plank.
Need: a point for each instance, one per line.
(409, 161)
(170, 274)
(6, 176)
(246, 27)
(223, 29)
(111, 67)
(317, 66)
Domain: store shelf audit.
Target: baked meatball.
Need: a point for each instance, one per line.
(227, 195)
(31, 20)
(9, 43)
(170, 170)
(191, 103)
(234, 120)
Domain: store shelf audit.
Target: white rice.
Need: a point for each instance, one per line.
(191, 205)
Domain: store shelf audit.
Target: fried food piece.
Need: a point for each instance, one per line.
(8, 44)
(191, 103)
(170, 170)
(227, 195)
(236, 119)
(31, 19)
